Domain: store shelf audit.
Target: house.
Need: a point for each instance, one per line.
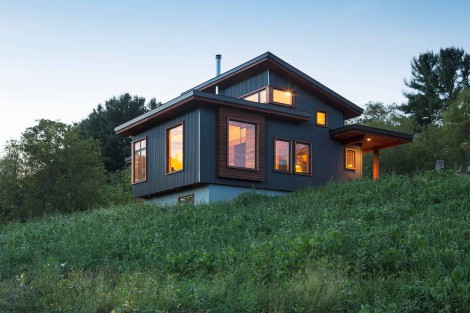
(263, 126)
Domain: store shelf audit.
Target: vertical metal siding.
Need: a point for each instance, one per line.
(157, 179)
(247, 86)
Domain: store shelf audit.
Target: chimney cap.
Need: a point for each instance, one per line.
(218, 56)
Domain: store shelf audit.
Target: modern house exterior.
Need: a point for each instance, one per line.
(263, 126)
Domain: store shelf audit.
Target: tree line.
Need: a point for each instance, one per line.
(55, 167)
(437, 113)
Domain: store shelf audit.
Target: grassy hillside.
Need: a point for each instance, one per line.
(399, 245)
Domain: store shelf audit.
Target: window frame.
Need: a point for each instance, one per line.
(133, 182)
(167, 143)
(290, 155)
(271, 97)
(345, 159)
(190, 196)
(256, 144)
(309, 157)
(326, 118)
(266, 88)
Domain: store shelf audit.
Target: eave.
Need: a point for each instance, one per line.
(192, 99)
(369, 137)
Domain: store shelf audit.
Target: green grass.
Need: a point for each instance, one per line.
(399, 245)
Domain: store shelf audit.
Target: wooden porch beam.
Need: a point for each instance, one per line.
(376, 164)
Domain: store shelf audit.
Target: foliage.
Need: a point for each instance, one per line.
(101, 122)
(436, 79)
(398, 245)
(50, 169)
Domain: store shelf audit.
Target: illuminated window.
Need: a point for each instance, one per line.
(302, 158)
(259, 96)
(186, 199)
(282, 155)
(139, 160)
(322, 118)
(283, 97)
(241, 144)
(350, 159)
(174, 152)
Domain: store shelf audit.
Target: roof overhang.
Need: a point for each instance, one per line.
(269, 61)
(193, 99)
(369, 137)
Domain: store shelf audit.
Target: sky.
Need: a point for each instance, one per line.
(60, 59)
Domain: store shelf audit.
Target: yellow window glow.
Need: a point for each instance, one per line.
(321, 118)
(284, 97)
(139, 159)
(175, 150)
(350, 159)
(302, 158)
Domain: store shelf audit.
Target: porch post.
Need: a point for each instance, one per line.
(376, 164)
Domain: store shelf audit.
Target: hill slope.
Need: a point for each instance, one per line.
(399, 245)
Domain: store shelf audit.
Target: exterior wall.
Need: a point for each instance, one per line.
(201, 140)
(157, 179)
(256, 82)
(357, 173)
(210, 193)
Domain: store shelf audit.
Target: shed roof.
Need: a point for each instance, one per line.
(369, 137)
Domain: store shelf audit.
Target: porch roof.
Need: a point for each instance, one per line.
(369, 137)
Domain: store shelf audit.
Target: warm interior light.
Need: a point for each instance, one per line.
(368, 139)
(288, 94)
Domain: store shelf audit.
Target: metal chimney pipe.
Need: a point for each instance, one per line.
(218, 57)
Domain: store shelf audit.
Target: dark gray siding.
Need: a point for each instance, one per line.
(256, 82)
(157, 180)
(327, 155)
(200, 145)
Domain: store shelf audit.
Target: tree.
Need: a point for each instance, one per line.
(456, 128)
(101, 122)
(53, 170)
(436, 79)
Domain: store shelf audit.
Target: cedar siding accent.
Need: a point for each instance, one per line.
(223, 170)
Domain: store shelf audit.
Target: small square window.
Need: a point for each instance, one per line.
(322, 118)
(186, 199)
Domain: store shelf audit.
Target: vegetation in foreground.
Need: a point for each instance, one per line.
(399, 245)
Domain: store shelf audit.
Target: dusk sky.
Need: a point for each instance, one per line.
(60, 59)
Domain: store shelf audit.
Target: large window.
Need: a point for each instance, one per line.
(139, 161)
(241, 144)
(302, 158)
(282, 155)
(283, 97)
(260, 96)
(322, 118)
(350, 159)
(174, 151)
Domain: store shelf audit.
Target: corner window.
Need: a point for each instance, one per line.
(322, 118)
(186, 199)
(174, 149)
(282, 155)
(302, 158)
(242, 144)
(283, 97)
(260, 96)
(350, 159)
(139, 161)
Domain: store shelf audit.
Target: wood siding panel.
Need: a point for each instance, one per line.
(223, 170)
